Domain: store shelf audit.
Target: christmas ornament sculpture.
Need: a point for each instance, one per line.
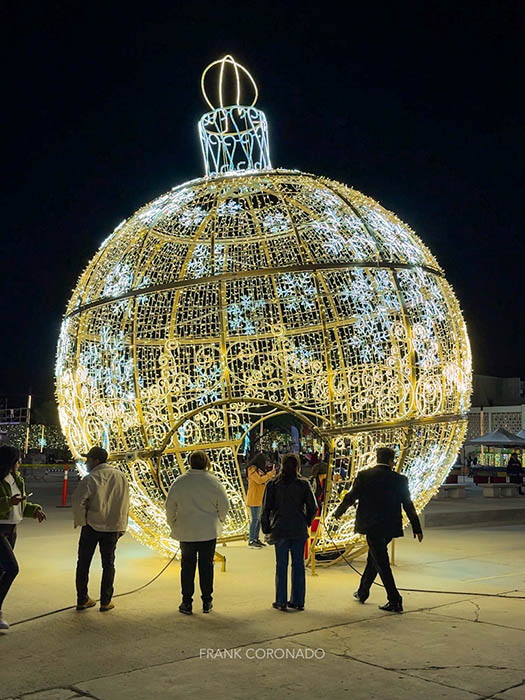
(253, 292)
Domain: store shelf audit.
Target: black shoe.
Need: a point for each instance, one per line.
(392, 607)
(294, 606)
(185, 609)
(207, 607)
(279, 606)
(358, 597)
(255, 545)
(261, 544)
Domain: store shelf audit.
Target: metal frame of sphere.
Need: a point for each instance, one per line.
(253, 292)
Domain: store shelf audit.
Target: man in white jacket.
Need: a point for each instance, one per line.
(196, 507)
(100, 506)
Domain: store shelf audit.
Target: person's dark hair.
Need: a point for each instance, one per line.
(97, 453)
(319, 469)
(385, 455)
(259, 462)
(290, 467)
(9, 456)
(199, 460)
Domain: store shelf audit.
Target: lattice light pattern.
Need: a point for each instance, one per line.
(238, 296)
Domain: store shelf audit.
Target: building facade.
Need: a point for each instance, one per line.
(497, 402)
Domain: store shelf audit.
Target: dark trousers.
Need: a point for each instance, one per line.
(295, 549)
(378, 563)
(8, 563)
(517, 479)
(204, 552)
(107, 542)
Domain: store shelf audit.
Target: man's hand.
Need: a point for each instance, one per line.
(40, 515)
(419, 536)
(16, 499)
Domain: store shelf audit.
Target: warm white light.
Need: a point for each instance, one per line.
(230, 299)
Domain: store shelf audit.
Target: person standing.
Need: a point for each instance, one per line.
(288, 509)
(257, 480)
(381, 492)
(515, 471)
(101, 508)
(13, 507)
(318, 481)
(196, 507)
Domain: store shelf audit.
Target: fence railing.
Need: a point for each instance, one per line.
(13, 415)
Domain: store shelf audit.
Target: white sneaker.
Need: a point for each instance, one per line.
(3, 624)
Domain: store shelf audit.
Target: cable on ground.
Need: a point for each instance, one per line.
(429, 590)
(405, 590)
(119, 595)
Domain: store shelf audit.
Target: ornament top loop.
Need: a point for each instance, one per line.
(238, 71)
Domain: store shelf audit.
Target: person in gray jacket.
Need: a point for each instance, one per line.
(100, 506)
(196, 508)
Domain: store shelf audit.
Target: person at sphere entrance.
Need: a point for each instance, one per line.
(318, 482)
(13, 507)
(381, 492)
(196, 509)
(258, 477)
(101, 508)
(289, 507)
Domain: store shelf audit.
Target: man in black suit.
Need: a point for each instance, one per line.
(381, 492)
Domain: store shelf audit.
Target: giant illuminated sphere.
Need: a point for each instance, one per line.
(252, 292)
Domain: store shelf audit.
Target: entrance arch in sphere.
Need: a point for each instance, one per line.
(234, 419)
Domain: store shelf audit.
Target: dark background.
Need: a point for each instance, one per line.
(419, 105)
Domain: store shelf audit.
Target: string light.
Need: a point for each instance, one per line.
(253, 292)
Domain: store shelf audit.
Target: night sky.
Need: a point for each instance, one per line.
(419, 105)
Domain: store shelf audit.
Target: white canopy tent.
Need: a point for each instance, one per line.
(500, 438)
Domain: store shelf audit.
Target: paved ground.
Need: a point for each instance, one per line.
(447, 647)
(474, 508)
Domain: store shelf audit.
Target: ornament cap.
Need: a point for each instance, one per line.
(233, 137)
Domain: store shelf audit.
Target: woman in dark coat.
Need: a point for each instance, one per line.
(289, 507)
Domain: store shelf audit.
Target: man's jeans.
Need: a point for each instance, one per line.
(296, 549)
(107, 542)
(8, 564)
(255, 524)
(205, 552)
(378, 563)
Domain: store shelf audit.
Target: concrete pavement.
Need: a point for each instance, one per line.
(443, 646)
